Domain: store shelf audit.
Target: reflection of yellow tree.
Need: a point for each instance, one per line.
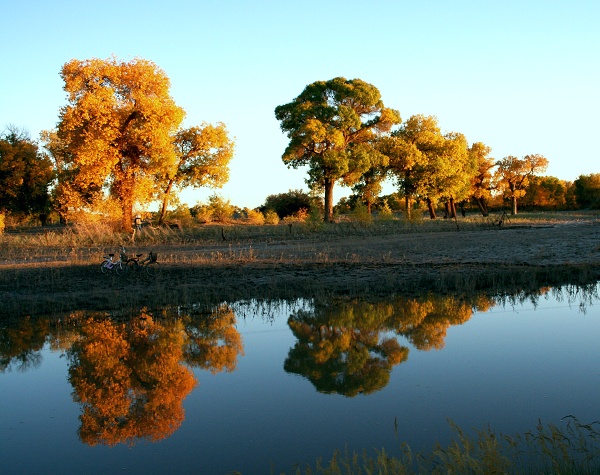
(340, 350)
(213, 341)
(129, 380)
(20, 344)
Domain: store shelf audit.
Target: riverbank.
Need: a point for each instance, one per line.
(453, 260)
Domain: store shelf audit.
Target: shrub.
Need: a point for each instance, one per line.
(299, 216)
(361, 214)
(385, 213)
(271, 217)
(254, 216)
(287, 204)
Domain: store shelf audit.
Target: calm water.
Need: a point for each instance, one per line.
(259, 387)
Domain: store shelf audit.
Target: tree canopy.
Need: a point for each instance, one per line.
(202, 159)
(332, 126)
(116, 131)
(25, 175)
(513, 175)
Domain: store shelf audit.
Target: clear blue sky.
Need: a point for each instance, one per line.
(521, 76)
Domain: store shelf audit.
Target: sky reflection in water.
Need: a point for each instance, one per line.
(250, 387)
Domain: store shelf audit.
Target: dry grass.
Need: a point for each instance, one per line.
(568, 448)
(57, 269)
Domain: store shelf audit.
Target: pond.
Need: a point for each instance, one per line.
(259, 387)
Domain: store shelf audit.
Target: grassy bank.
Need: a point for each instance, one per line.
(57, 270)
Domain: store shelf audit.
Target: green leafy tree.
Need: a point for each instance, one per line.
(202, 159)
(369, 186)
(587, 191)
(545, 192)
(446, 175)
(333, 127)
(25, 176)
(514, 174)
(409, 150)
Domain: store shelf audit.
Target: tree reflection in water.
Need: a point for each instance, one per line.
(213, 342)
(340, 348)
(131, 375)
(21, 343)
(130, 378)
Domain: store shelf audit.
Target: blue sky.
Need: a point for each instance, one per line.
(521, 76)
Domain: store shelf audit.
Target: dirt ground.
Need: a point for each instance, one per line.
(491, 260)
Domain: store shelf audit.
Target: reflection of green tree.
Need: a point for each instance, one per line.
(129, 380)
(340, 350)
(21, 343)
(424, 321)
(213, 342)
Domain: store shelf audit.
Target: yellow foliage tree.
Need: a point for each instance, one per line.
(116, 130)
(481, 182)
(203, 155)
(513, 175)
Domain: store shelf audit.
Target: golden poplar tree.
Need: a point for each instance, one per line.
(513, 175)
(116, 130)
(202, 159)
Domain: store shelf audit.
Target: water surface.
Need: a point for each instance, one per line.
(253, 387)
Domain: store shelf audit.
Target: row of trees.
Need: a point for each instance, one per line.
(119, 144)
(344, 133)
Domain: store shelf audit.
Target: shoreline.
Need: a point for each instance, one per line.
(491, 261)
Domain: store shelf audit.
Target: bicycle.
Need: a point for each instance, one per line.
(110, 265)
(504, 220)
(149, 264)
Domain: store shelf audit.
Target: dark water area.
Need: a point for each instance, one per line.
(256, 387)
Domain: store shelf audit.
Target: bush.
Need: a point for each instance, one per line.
(385, 213)
(254, 216)
(287, 204)
(299, 216)
(271, 217)
(361, 214)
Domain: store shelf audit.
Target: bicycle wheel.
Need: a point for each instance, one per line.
(152, 268)
(133, 266)
(120, 268)
(103, 267)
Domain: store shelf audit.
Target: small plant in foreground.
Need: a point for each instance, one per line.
(549, 449)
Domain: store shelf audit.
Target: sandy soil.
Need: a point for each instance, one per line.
(491, 260)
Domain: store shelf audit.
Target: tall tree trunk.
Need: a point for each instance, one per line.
(124, 190)
(165, 203)
(513, 198)
(408, 204)
(431, 208)
(127, 210)
(481, 205)
(452, 205)
(329, 200)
